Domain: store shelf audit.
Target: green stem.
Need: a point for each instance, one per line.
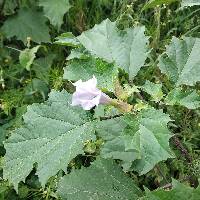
(157, 36)
(31, 80)
(162, 174)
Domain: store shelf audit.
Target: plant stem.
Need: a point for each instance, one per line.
(183, 150)
(157, 36)
(162, 174)
(31, 80)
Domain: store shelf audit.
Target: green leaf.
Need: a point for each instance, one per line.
(190, 3)
(105, 112)
(85, 69)
(11, 98)
(179, 191)
(127, 49)
(42, 67)
(15, 122)
(189, 98)
(27, 23)
(181, 61)
(2, 135)
(27, 57)
(37, 86)
(153, 3)
(78, 53)
(112, 132)
(153, 125)
(126, 139)
(53, 134)
(67, 39)
(55, 10)
(9, 7)
(155, 90)
(123, 93)
(103, 180)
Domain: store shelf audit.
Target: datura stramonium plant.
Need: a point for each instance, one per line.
(87, 95)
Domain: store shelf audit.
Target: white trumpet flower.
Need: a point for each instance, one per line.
(87, 95)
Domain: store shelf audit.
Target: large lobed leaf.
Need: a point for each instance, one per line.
(54, 133)
(111, 131)
(140, 141)
(27, 23)
(181, 61)
(127, 49)
(153, 89)
(103, 180)
(86, 68)
(55, 10)
(190, 99)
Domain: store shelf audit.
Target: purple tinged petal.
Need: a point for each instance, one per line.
(89, 104)
(104, 99)
(88, 95)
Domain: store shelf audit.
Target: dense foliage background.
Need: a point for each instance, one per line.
(36, 37)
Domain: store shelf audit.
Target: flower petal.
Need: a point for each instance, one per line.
(88, 95)
(89, 104)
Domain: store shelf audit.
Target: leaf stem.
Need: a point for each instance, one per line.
(31, 80)
(13, 48)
